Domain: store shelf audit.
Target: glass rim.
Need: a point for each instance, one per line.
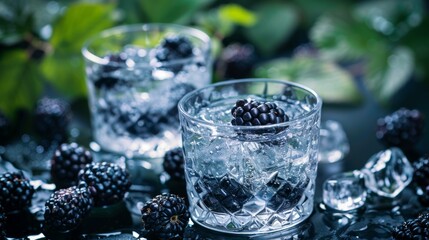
(105, 34)
(302, 117)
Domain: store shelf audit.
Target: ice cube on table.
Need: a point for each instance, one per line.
(345, 191)
(388, 172)
(333, 143)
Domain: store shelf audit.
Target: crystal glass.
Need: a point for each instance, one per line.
(134, 91)
(250, 179)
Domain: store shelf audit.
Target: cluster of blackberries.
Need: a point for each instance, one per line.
(100, 184)
(417, 228)
(255, 113)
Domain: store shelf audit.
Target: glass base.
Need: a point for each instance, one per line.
(264, 222)
(265, 230)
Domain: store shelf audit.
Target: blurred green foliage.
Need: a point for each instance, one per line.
(40, 41)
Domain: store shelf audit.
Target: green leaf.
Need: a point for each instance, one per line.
(276, 22)
(167, 11)
(237, 14)
(332, 83)
(66, 72)
(345, 38)
(388, 72)
(21, 83)
(79, 22)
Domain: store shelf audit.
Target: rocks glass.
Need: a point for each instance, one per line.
(250, 179)
(136, 75)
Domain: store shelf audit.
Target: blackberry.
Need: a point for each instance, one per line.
(236, 61)
(105, 80)
(109, 181)
(5, 129)
(2, 223)
(417, 228)
(174, 163)
(52, 118)
(66, 208)
(165, 215)
(254, 113)
(16, 191)
(421, 172)
(66, 163)
(174, 48)
(402, 128)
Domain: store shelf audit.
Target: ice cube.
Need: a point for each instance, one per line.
(333, 143)
(388, 172)
(345, 191)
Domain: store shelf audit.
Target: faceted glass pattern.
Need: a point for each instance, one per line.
(250, 179)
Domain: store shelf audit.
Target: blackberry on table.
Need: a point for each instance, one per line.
(52, 118)
(165, 215)
(109, 181)
(254, 113)
(402, 128)
(236, 61)
(417, 228)
(5, 129)
(66, 163)
(66, 208)
(16, 192)
(174, 163)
